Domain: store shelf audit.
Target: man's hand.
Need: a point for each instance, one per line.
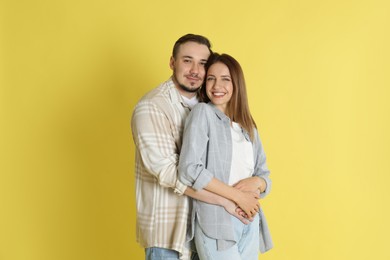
(236, 211)
(240, 212)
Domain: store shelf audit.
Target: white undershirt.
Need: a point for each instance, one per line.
(242, 157)
(191, 102)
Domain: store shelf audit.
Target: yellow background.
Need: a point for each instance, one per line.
(72, 71)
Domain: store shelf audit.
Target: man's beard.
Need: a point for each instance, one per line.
(184, 87)
(187, 89)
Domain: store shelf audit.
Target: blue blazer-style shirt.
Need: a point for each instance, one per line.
(206, 152)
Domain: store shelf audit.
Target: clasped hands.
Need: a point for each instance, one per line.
(247, 200)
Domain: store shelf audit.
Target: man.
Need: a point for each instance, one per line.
(157, 126)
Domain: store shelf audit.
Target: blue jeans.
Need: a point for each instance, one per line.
(247, 247)
(158, 253)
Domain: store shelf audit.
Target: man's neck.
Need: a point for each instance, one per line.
(186, 94)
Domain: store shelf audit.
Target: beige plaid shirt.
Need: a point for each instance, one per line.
(157, 126)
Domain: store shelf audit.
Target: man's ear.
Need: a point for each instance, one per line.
(172, 63)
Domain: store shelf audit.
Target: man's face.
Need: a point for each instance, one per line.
(189, 67)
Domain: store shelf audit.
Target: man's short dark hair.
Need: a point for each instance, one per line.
(190, 38)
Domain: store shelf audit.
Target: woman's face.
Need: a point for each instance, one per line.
(219, 85)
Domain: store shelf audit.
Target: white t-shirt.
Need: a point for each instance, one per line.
(191, 102)
(242, 157)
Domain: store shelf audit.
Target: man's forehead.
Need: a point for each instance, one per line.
(194, 50)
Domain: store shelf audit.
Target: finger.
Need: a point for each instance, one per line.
(248, 212)
(242, 219)
(253, 213)
(240, 211)
(249, 218)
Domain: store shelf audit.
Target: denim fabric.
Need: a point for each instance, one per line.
(247, 247)
(158, 253)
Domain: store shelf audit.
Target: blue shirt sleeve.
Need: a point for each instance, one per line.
(192, 169)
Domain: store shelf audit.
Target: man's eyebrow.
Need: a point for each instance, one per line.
(190, 57)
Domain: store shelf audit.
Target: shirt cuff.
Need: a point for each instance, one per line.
(180, 188)
(203, 179)
(267, 188)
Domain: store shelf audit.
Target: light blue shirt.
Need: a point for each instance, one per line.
(206, 152)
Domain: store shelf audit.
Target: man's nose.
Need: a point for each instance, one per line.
(194, 68)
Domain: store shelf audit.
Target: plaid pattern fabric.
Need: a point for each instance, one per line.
(162, 213)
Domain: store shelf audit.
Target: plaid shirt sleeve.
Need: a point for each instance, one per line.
(152, 133)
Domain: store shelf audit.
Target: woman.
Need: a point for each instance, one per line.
(221, 147)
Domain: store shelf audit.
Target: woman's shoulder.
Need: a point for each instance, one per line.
(210, 111)
(200, 112)
(201, 108)
(201, 105)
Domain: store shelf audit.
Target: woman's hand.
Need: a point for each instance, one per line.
(255, 184)
(248, 202)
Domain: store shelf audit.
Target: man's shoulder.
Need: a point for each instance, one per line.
(160, 92)
(160, 96)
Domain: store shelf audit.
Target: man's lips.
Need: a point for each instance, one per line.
(193, 78)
